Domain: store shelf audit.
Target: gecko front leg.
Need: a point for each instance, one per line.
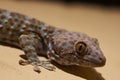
(28, 43)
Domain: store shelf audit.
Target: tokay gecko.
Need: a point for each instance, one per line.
(35, 37)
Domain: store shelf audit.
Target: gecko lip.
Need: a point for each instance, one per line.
(102, 62)
(98, 63)
(95, 63)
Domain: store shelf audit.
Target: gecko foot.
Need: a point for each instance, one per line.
(43, 64)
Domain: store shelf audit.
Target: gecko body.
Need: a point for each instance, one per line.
(35, 37)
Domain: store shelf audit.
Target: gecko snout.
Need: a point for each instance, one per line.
(102, 61)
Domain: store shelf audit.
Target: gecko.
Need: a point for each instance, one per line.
(35, 37)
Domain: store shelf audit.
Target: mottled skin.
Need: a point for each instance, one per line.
(35, 37)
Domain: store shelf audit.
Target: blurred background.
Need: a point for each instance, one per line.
(97, 18)
(98, 2)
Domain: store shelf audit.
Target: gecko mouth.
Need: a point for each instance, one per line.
(93, 63)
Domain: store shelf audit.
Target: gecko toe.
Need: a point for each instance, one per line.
(44, 64)
(22, 62)
(51, 68)
(36, 69)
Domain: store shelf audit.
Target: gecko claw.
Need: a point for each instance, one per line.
(36, 69)
(22, 62)
(52, 68)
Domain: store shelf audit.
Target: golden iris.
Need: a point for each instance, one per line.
(81, 48)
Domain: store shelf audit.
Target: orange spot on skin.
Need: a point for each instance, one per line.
(27, 33)
(17, 28)
(71, 47)
(97, 48)
(22, 22)
(4, 39)
(1, 22)
(94, 55)
(16, 20)
(19, 25)
(78, 35)
(64, 44)
(20, 39)
(27, 27)
(10, 21)
(12, 35)
(63, 62)
(60, 31)
(3, 10)
(7, 27)
(65, 38)
(32, 20)
(50, 54)
(71, 42)
(71, 37)
(59, 50)
(12, 14)
(57, 42)
(86, 56)
(2, 32)
(26, 44)
(70, 34)
(3, 17)
(45, 30)
(30, 25)
(69, 62)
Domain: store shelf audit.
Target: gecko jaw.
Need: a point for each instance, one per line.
(91, 62)
(94, 63)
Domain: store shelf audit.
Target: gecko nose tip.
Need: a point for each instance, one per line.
(102, 61)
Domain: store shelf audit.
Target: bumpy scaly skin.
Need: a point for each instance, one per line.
(35, 37)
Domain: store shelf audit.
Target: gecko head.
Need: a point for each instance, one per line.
(79, 49)
(89, 52)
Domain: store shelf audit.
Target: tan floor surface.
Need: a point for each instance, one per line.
(102, 23)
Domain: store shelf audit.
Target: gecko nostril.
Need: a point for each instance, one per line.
(100, 59)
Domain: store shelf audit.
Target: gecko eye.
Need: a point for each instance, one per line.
(81, 48)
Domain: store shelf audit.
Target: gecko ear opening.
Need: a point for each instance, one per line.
(81, 48)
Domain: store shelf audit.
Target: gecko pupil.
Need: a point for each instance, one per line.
(80, 47)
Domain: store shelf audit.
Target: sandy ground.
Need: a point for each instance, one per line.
(100, 22)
